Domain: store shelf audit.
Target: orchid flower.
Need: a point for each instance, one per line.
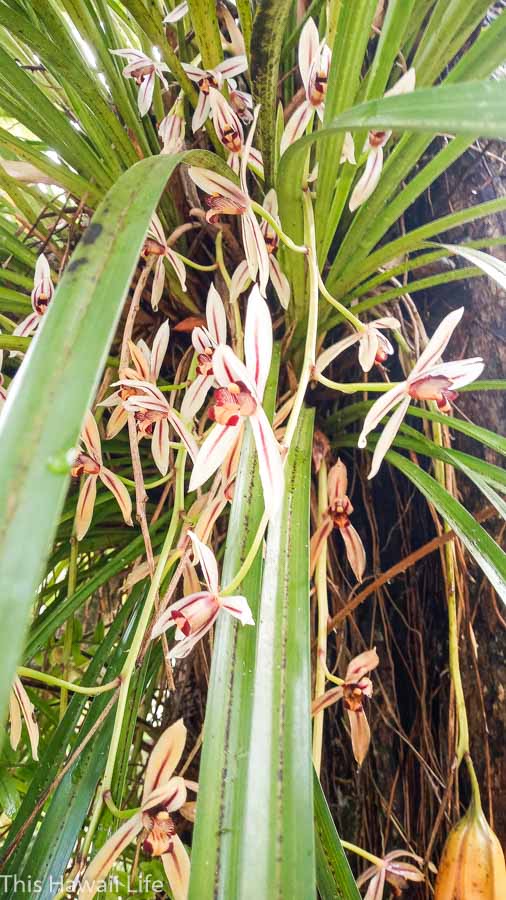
(172, 129)
(241, 277)
(41, 296)
(373, 346)
(314, 66)
(375, 142)
(338, 516)
(91, 465)
(196, 614)
(428, 381)
(238, 397)
(153, 416)
(156, 245)
(355, 687)
(178, 13)
(225, 198)
(143, 70)
(163, 794)
(235, 46)
(226, 123)
(206, 79)
(205, 341)
(393, 871)
(147, 365)
(21, 707)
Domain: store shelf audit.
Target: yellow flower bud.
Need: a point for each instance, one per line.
(472, 865)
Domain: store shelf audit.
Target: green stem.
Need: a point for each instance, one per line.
(334, 678)
(43, 677)
(194, 265)
(345, 312)
(258, 208)
(370, 857)
(119, 813)
(377, 387)
(249, 559)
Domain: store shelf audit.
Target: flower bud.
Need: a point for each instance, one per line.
(472, 865)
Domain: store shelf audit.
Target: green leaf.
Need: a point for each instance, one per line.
(205, 23)
(333, 874)
(277, 858)
(266, 42)
(493, 267)
(217, 835)
(45, 408)
(483, 549)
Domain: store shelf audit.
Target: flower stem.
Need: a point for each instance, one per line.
(45, 678)
(376, 387)
(193, 265)
(297, 248)
(370, 857)
(345, 312)
(69, 624)
(323, 616)
(249, 559)
(119, 813)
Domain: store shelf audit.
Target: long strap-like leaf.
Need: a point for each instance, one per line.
(278, 856)
(333, 874)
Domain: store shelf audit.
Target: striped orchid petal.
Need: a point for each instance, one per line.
(160, 344)
(231, 67)
(337, 485)
(269, 460)
(107, 856)
(240, 280)
(228, 368)
(309, 50)
(116, 422)
(158, 283)
(318, 541)
(164, 758)
(43, 289)
(333, 352)
(119, 491)
(379, 409)
(182, 432)
(178, 13)
(178, 266)
(368, 349)
(216, 316)
(438, 342)
(190, 615)
(258, 341)
(354, 550)
(194, 73)
(327, 699)
(362, 664)
(176, 864)
(160, 442)
(20, 706)
(360, 734)
(195, 395)
(85, 506)
(169, 794)
(140, 361)
(238, 607)
(145, 95)
(279, 282)
(296, 125)
(368, 181)
(255, 250)
(201, 112)
(460, 372)
(207, 562)
(213, 183)
(212, 453)
(387, 436)
(27, 326)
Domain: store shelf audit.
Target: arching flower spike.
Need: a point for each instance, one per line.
(143, 70)
(239, 397)
(394, 871)
(163, 794)
(156, 245)
(338, 516)
(355, 687)
(91, 465)
(195, 615)
(428, 381)
(205, 341)
(373, 346)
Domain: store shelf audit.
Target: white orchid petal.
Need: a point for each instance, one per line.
(296, 125)
(85, 506)
(216, 316)
(213, 451)
(367, 183)
(195, 395)
(309, 50)
(438, 342)
(238, 607)
(178, 266)
(160, 445)
(258, 340)
(379, 409)
(213, 183)
(269, 461)
(333, 352)
(207, 562)
(145, 95)
(367, 349)
(228, 368)
(387, 437)
(119, 491)
(255, 250)
(160, 344)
